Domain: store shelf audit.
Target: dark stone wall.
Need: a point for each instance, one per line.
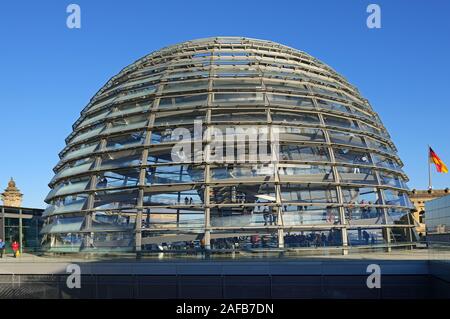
(219, 287)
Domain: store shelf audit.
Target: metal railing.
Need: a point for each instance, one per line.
(430, 251)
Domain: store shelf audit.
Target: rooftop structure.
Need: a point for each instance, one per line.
(12, 196)
(227, 143)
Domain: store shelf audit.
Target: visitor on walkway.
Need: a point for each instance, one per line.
(323, 239)
(266, 215)
(366, 237)
(15, 247)
(2, 247)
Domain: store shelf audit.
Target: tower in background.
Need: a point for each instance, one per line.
(12, 196)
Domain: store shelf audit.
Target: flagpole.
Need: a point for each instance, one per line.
(429, 169)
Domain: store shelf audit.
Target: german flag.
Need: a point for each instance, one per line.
(440, 166)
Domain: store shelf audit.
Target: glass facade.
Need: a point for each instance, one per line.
(163, 157)
(437, 217)
(22, 225)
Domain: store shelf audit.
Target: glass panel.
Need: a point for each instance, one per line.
(396, 198)
(188, 75)
(110, 241)
(361, 195)
(93, 117)
(349, 156)
(232, 61)
(364, 214)
(244, 240)
(99, 104)
(321, 90)
(365, 237)
(71, 203)
(127, 140)
(131, 108)
(232, 172)
(173, 195)
(118, 178)
(303, 153)
(305, 173)
(81, 150)
(238, 98)
(313, 239)
(224, 71)
(346, 138)
(183, 101)
(359, 175)
(307, 194)
(340, 122)
(383, 161)
(71, 186)
(309, 215)
(290, 100)
(162, 154)
(174, 174)
(392, 180)
(401, 235)
(66, 242)
(166, 218)
(285, 86)
(243, 194)
(88, 133)
(240, 133)
(127, 123)
(137, 81)
(74, 168)
(239, 115)
(242, 148)
(63, 224)
(172, 241)
(291, 133)
(368, 128)
(399, 216)
(133, 94)
(172, 135)
(334, 106)
(177, 118)
(237, 83)
(186, 86)
(243, 216)
(112, 221)
(121, 159)
(379, 145)
(280, 75)
(115, 199)
(359, 112)
(295, 117)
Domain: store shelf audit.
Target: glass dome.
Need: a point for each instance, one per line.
(227, 143)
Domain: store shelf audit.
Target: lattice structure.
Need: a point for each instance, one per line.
(337, 180)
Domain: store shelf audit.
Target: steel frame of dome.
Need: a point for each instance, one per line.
(337, 175)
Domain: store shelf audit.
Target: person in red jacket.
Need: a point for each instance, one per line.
(15, 247)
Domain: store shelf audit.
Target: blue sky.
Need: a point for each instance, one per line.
(49, 72)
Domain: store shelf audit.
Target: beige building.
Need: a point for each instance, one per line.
(11, 196)
(418, 198)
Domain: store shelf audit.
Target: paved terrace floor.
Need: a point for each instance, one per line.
(395, 262)
(415, 254)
